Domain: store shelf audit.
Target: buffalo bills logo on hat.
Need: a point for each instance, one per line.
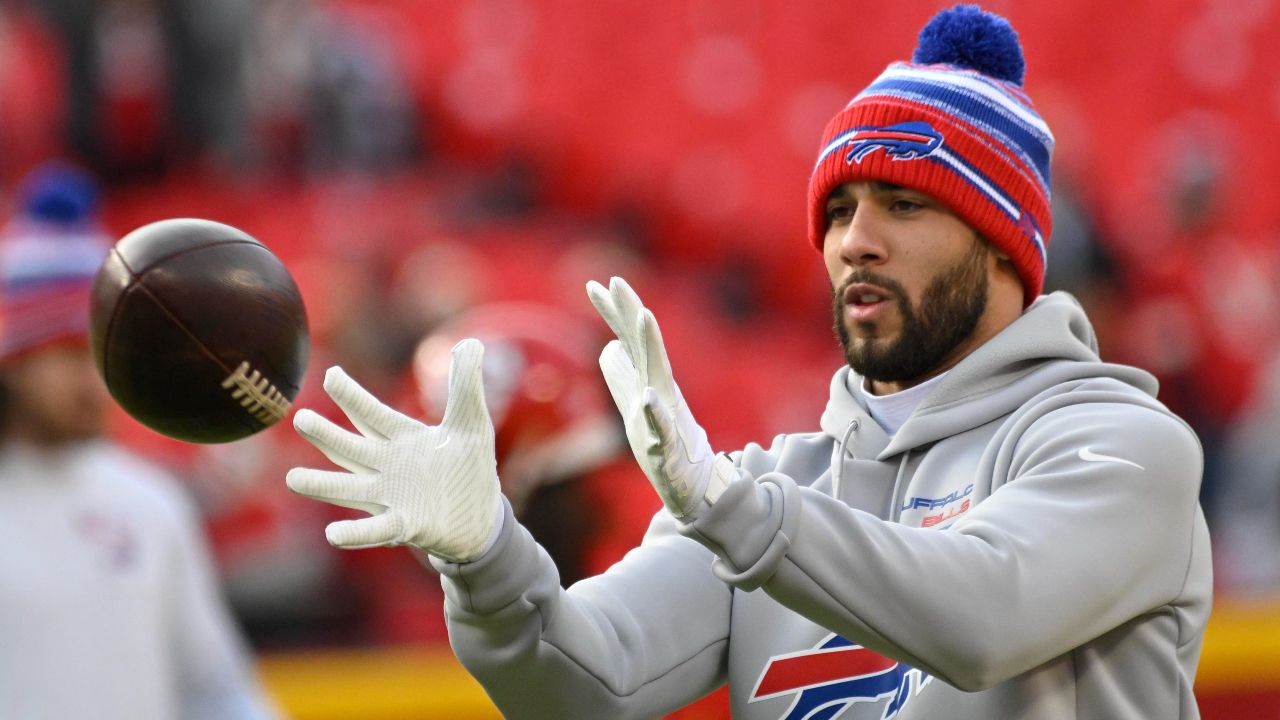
(904, 141)
(827, 679)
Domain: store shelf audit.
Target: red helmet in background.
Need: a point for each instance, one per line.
(552, 415)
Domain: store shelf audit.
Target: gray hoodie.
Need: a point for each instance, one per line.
(1028, 545)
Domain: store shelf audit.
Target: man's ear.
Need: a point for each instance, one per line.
(1004, 263)
(1002, 257)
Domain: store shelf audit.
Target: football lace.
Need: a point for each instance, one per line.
(256, 394)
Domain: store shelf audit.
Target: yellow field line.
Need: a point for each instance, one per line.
(381, 684)
(1241, 647)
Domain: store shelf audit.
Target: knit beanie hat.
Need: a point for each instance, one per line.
(49, 254)
(953, 123)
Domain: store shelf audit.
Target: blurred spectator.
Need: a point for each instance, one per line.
(30, 66)
(74, 24)
(1081, 262)
(1204, 305)
(151, 82)
(1247, 540)
(207, 45)
(327, 93)
(109, 605)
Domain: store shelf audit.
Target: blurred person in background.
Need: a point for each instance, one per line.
(969, 535)
(326, 91)
(1201, 322)
(1247, 527)
(109, 604)
(153, 83)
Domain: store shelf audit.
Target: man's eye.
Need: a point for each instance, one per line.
(904, 205)
(839, 213)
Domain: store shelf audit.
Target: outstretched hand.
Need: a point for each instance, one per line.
(435, 487)
(667, 442)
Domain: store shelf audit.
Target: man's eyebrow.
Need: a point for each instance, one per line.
(879, 186)
(841, 192)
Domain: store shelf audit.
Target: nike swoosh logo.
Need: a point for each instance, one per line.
(1090, 456)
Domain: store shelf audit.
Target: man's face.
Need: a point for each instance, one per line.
(909, 281)
(55, 396)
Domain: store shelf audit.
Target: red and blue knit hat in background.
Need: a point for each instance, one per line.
(953, 123)
(50, 252)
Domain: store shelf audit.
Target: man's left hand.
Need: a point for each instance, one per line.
(668, 443)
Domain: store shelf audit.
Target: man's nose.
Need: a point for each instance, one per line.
(864, 242)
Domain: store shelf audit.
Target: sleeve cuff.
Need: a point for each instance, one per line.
(499, 577)
(750, 528)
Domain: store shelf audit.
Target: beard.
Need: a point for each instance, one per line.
(947, 315)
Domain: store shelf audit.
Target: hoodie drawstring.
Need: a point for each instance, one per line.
(838, 480)
(844, 450)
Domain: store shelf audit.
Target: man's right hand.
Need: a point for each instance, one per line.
(435, 487)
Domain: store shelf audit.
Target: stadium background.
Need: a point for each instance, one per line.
(410, 158)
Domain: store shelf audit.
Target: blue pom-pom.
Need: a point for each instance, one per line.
(967, 37)
(59, 193)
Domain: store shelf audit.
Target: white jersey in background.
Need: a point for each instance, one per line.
(109, 607)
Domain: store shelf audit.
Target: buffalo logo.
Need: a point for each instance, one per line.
(904, 141)
(828, 679)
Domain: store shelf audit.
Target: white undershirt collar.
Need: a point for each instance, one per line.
(891, 411)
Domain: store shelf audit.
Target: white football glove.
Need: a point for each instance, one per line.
(435, 487)
(668, 443)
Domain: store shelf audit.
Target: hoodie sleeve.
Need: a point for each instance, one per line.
(646, 637)
(1095, 526)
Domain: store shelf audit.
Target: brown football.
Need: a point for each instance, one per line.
(198, 330)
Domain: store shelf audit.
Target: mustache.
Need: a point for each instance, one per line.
(866, 276)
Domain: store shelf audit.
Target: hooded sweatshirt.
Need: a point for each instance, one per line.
(1028, 545)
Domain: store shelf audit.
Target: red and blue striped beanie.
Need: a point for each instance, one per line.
(956, 124)
(49, 254)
